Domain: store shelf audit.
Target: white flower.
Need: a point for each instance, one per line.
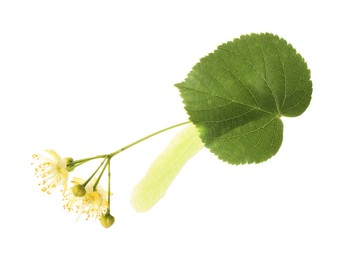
(51, 169)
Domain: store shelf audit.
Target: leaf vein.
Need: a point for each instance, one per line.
(246, 133)
(284, 74)
(214, 95)
(254, 146)
(216, 80)
(233, 74)
(227, 119)
(255, 70)
(266, 79)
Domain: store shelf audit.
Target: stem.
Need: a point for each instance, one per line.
(88, 159)
(86, 182)
(102, 172)
(145, 138)
(109, 186)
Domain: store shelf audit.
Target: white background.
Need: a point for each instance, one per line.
(87, 77)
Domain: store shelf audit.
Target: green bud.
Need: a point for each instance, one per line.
(69, 164)
(68, 160)
(78, 190)
(107, 220)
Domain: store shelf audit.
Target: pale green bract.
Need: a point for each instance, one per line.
(165, 168)
(237, 94)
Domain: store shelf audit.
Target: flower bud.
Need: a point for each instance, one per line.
(68, 160)
(107, 220)
(69, 164)
(78, 190)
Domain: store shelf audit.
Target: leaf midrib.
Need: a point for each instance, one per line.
(228, 99)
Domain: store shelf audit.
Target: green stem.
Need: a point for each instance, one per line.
(86, 182)
(145, 138)
(109, 186)
(102, 172)
(81, 161)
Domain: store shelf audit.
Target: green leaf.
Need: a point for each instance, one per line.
(165, 168)
(237, 95)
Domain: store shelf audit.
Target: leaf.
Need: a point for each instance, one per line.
(165, 168)
(237, 95)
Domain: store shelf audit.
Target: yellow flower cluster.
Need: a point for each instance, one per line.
(84, 197)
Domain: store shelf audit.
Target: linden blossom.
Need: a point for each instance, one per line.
(52, 170)
(93, 202)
